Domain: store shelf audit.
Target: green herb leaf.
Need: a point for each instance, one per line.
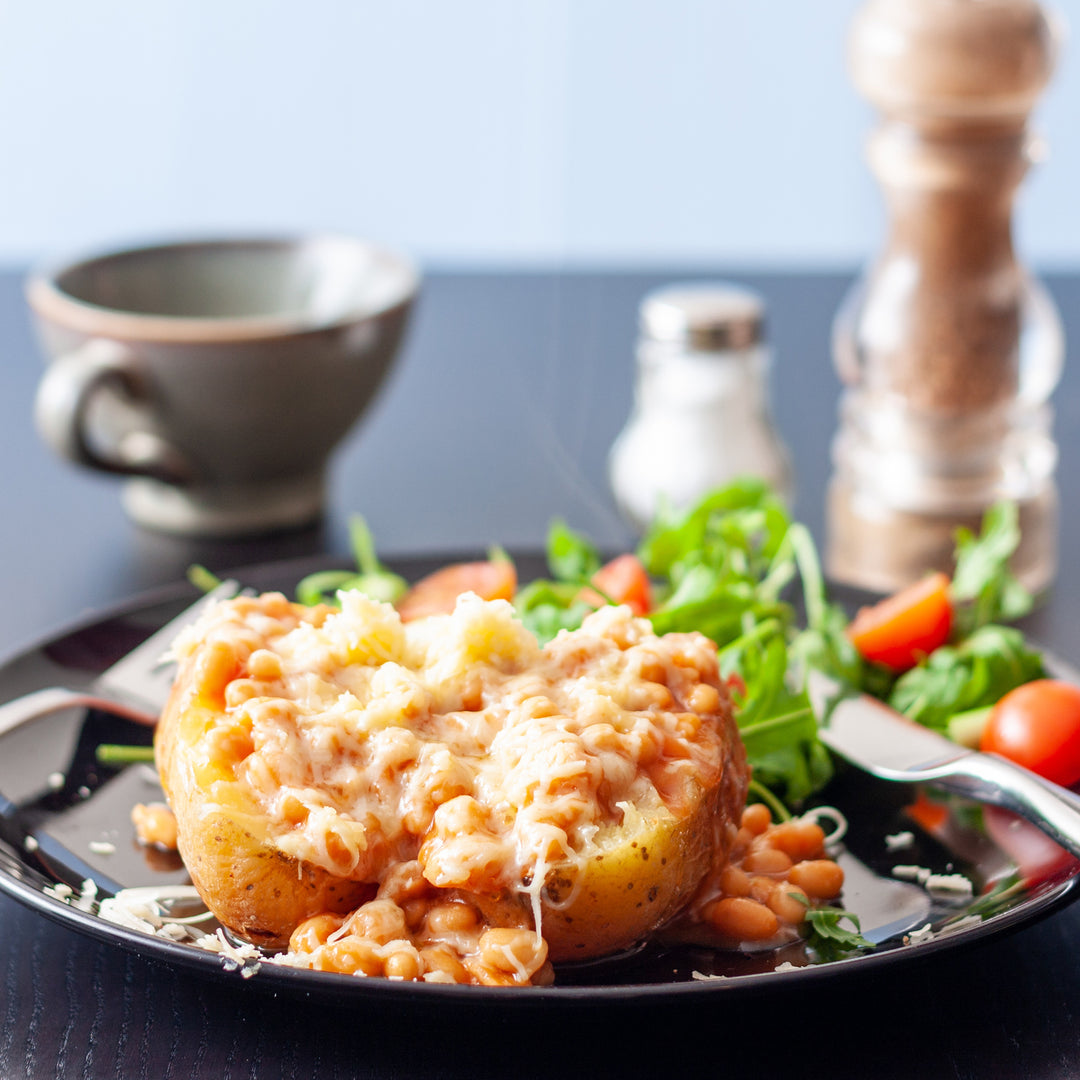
(571, 556)
(546, 607)
(827, 938)
(977, 672)
(204, 580)
(114, 754)
(373, 579)
(983, 587)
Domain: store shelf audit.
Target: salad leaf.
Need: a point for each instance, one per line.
(983, 587)
(714, 522)
(571, 556)
(373, 579)
(973, 674)
(827, 938)
(546, 607)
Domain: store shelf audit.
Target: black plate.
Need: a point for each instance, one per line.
(1018, 877)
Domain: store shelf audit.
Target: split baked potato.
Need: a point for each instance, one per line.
(309, 754)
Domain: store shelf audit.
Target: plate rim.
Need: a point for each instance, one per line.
(273, 977)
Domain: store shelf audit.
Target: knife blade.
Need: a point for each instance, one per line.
(135, 687)
(883, 742)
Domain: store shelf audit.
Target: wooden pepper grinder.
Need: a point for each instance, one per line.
(948, 349)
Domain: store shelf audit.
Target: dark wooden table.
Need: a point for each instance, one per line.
(498, 417)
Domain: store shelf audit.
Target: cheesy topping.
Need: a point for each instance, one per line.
(453, 742)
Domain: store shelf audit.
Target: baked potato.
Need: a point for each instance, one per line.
(309, 754)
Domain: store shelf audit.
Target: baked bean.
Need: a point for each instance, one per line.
(756, 818)
(687, 725)
(704, 698)
(784, 901)
(741, 844)
(799, 839)
(734, 881)
(761, 888)
(241, 690)
(155, 825)
(264, 665)
(230, 743)
(450, 918)
(313, 932)
(350, 955)
(504, 950)
(293, 810)
(403, 964)
(218, 666)
(652, 669)
(415, 911)
(766, 860)
(442, 959)
(820, 878)
(602, 736)
(649, 695)
(742, 919)
(378, 920)
(340, 852)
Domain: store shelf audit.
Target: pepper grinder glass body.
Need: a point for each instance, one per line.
(948, 349)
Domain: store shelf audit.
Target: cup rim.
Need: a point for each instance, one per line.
(46, 297)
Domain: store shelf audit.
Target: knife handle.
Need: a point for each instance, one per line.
(992, 779)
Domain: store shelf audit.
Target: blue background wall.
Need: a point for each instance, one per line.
(507, 132)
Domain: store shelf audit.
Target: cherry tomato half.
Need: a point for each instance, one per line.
(902, 629)
(437, 593)
(623, 580)
(1037, 725)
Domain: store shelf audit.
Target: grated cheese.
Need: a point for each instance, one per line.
(455, 740)
(899, 841)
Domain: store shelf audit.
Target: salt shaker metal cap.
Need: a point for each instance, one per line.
(707, 316)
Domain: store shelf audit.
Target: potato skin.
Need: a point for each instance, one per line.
(637, 876)
(252, 888)
(646, 872)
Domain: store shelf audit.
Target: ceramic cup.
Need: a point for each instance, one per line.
(217, 375)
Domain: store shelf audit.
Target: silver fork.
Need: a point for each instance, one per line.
(135, 687)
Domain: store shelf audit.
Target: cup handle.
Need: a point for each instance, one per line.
(62, 405)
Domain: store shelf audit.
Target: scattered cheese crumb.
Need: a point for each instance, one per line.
(30, 843)
(702, 977)
(949, 886)
(958, 925)
(917, 937)
(939, 886)
(102, 847)
(899, 841)
(87, 896)
(912, 873)
(56, 780)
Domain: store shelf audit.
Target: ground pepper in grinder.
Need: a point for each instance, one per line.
(948, 349)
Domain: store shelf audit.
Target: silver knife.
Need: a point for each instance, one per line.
(881, 741)
(135, 687)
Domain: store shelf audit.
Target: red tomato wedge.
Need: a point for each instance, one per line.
(902, 629)
(1037, 725)
(437, 593)
(623, 580)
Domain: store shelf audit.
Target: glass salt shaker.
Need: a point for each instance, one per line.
(701, 414)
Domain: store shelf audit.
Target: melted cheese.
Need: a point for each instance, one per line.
(454, 740)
